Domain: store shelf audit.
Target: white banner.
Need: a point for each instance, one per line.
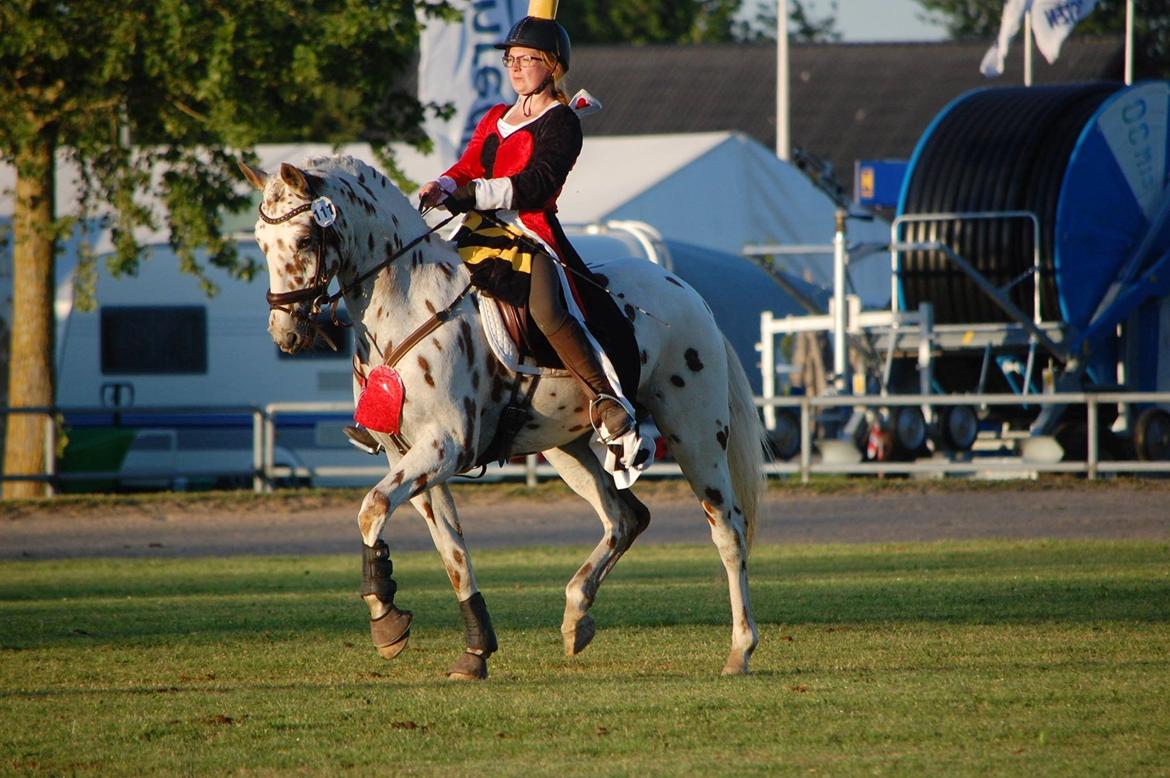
(458, 64)
(1052, 21)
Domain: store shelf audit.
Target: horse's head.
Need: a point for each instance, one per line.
(296, 235)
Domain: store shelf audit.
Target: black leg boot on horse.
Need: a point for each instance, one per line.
(568, 338)
(389, 626)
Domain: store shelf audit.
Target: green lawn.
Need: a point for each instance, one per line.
(1037, 658)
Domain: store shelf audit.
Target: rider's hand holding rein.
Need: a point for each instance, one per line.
(458, 199)
(432, 194)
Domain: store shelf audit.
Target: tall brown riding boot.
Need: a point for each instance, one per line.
(573, 347)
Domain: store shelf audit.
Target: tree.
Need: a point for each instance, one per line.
(184, 87)
(803, 23)
(648, 21)
(691, 21)
(981, 18)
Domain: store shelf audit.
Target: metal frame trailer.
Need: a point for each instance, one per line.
(1017, 346)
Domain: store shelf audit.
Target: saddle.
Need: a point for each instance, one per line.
(612, 329)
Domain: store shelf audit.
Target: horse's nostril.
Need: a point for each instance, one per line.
(290, 341)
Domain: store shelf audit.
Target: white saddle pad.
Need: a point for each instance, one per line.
(503, 346)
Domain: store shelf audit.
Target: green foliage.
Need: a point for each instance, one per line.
(692, 21)
(161, 97)
(981, 19)
(647, 21)
(968, 658)
(804, 23)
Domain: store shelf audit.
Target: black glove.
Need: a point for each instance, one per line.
(462, 199)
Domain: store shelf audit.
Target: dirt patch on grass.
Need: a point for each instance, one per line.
(244, 503)
(847, 511)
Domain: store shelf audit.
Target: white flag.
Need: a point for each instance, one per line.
(1052, 21)
(457, 64)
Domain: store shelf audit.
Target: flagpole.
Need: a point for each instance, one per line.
(1128, 42)
(1028, 47)
(782, 142)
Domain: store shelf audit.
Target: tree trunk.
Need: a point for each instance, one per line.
(30, 367)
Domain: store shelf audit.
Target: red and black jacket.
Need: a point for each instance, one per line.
(537, 158)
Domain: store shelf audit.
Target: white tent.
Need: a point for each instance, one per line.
(720, 190)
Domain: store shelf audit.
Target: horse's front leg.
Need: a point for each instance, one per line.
(421, 468)
(438, 509)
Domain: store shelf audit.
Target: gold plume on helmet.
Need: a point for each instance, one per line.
(543, 9)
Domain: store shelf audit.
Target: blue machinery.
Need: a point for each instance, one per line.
(1030, 253)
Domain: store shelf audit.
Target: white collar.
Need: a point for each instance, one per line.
(507, 129)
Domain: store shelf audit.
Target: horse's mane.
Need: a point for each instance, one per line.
(373, 180)
(343, 163)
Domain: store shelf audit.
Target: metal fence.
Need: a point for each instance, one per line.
(1092, 466)
(263, 471)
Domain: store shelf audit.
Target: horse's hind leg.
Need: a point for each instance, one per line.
(698, 437)
(622, 515)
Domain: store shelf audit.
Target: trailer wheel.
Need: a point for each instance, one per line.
(960, 427)
(909, 430)
(1151, 436)
(785, 439)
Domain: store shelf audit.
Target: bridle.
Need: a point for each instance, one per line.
(325, 215)
(317, 289)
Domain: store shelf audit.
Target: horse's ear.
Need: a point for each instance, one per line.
(294, 179)
(256, 177)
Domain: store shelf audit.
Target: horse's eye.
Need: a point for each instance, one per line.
(303, 242)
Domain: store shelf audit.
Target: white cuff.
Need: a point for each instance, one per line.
(493, 194)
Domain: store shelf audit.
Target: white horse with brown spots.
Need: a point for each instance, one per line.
(395, 276)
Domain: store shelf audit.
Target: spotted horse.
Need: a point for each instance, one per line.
(339, 218)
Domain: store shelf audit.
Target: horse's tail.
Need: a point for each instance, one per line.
(746, 444)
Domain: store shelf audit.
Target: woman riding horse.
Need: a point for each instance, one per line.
(515, 165)
(690, 381)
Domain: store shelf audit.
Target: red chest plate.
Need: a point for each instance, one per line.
(379, 407)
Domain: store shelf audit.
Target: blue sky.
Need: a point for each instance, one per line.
(879, 20)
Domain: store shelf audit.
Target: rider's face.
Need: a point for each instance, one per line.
(525, 79)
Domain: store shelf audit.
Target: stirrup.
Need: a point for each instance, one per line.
(613, 436)
(360, 438)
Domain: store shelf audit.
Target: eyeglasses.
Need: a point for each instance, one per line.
(523, 60)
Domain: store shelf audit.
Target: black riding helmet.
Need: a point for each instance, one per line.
(541, 34)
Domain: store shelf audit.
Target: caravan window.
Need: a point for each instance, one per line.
(154, 339)
(341, 335)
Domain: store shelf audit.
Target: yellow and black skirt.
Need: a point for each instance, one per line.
(499, 258)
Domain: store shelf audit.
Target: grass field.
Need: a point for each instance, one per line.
(1036, 658)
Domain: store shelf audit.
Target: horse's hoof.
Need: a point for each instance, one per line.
(390, 632)
(579, 637)
(737, 664)
(394, 649)
(468, 667)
